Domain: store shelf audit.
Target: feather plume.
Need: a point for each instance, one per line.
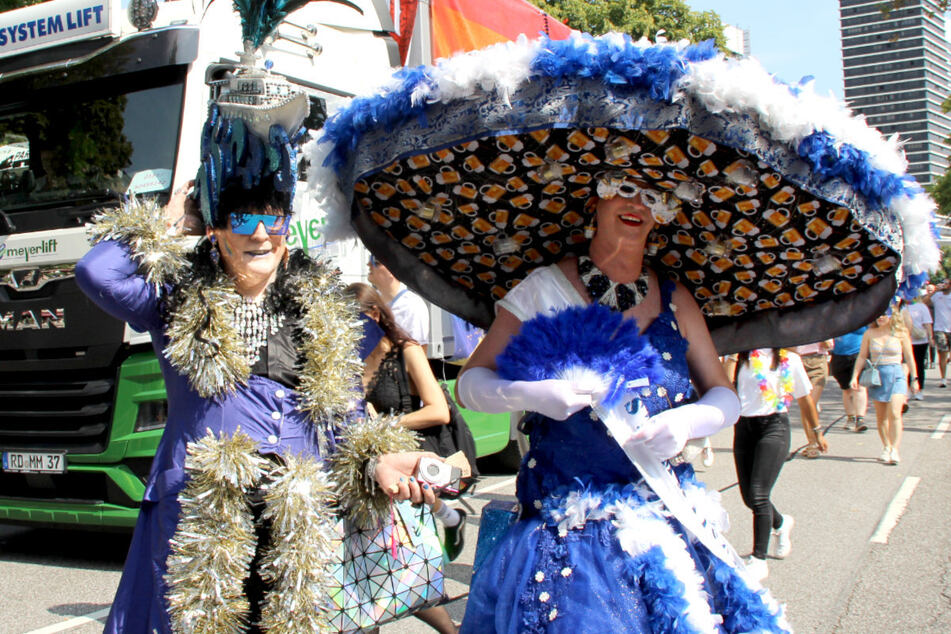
(593, 341)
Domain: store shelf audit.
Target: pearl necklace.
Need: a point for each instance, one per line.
(603, 290)
(255, 324)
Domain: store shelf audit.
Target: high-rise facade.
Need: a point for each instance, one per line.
(896, 66)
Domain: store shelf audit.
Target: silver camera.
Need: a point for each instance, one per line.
(438, 474)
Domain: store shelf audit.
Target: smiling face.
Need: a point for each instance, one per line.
(882, 320)
(251, 260)
(623, 219)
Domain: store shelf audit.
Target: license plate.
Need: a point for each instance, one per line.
(34, 462)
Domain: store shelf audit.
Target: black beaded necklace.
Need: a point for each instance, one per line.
(616, 296)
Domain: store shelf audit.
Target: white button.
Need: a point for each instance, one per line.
(272, 439)
(279, 394)
(276, 415)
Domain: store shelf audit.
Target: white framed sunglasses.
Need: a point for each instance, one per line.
(663, 205)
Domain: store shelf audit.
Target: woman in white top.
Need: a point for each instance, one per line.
(922, 336)
(886, 346)
(766, 381)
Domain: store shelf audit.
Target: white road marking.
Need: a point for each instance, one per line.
(92, 617)
(942, 427)
(497, 485)
(895, 508)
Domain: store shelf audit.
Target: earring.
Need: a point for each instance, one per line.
(214, 254)
(591, 208)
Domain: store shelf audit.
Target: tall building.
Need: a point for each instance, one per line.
(737, 40)
(896, 67)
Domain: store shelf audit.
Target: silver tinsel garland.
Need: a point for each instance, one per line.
(331, 333)
(212, 548)
(214, 362)
(204, 342)
(359, 498)
(298, 563)
(140, 224)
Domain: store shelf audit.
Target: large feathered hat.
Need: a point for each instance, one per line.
(792, 220)
(254, 126)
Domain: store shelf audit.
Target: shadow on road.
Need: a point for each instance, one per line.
(78, 609)
(69, 548)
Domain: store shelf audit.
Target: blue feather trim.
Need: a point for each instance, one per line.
(909, 287)
(619, 62)
(662, 592)
(743, 610)
(830, 159)
(593, 337)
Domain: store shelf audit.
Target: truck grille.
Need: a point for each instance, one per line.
(57, 380)
(76, 488)
(57, 411)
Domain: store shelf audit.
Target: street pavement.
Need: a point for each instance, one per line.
(835, 580)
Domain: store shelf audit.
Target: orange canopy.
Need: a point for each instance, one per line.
(467, 25)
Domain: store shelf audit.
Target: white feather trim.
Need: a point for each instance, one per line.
(579, 507)
(325, 193)
(921, 253)
(706, 502)
(638, 530)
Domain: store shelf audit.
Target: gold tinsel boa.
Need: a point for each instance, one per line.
(214, 542)
(203, 343)
(298, 563)
(358, 495)
(140, 224)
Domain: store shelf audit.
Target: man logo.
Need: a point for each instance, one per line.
(42, 319)
(31, 279)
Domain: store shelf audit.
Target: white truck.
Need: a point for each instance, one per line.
(100, 99)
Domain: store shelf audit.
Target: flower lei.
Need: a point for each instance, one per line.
(759, 366)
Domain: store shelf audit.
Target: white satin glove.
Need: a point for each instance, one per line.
(482, 390)
(666, 433)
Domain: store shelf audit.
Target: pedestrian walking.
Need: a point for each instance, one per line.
(885, 346)
(845, 350)
(767, 380)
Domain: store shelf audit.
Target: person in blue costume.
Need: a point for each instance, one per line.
(249, 372)
(594, 549)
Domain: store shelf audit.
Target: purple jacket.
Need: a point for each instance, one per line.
(264, 409)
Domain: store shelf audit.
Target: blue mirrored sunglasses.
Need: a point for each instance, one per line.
(246, 224)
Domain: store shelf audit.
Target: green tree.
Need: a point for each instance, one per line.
(7, 5)
(639, 18)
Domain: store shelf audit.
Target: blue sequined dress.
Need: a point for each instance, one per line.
(595, 550)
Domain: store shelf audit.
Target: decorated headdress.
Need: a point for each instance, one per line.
(792, 220)
(254, 120)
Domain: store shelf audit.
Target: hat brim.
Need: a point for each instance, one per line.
(463, 203)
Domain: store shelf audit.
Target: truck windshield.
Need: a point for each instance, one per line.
(89, 139)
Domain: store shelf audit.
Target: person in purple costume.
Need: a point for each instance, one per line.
(252, 256)
(594, 549)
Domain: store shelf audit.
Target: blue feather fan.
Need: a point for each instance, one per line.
(593, 339)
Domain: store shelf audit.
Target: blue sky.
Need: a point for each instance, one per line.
(791, 38)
